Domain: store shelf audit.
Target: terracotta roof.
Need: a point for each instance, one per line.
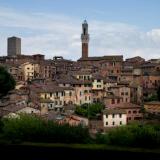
(153, 102)
(46, 101)
(149, 65)
(124, 106)
(110, 81)
(137, 58)
(153, 73)
(81, 73)
(97, 76)
(114, 111)
(13, 108)
(47, 88)
(108, 58)
(73, 81)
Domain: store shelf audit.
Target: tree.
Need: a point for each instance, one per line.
(7, 82)
(90, 110)
(158, 93)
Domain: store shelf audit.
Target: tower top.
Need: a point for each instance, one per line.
(85, 21)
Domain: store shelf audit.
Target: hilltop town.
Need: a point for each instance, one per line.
(54, 88)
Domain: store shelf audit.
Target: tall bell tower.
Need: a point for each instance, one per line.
(85, 39)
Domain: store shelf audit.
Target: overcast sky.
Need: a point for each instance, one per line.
(53, 27)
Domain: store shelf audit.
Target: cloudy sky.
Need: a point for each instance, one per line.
(53, 27)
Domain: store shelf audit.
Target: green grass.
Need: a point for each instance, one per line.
(91, 147)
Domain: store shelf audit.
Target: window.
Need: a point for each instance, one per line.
(118, 101)
(60, 103)
(113, 123)
(106, 115)
(113, 115)
(126, 93)
(50, 94)
(129, 112)
(113, 101)
(137, 118)
(134, 112)
(85, 98)
(120, 122)
(106, 123)
(85, 91)
(70, 94)
(126, 99)
(120, 115)
(122, 93)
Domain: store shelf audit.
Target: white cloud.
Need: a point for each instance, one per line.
(52, 34)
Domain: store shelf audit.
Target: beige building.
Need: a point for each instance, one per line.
(121, 91)
(114, 118)
(110, 99)
(133, 111)
(28, 70)
(97, 84)
(54, 97)
(83, 93)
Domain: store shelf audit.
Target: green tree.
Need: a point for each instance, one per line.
(7, 82)
(34, 129)
(158, 93)
(90, 110)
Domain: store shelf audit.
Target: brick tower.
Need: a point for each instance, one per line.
(85, 39)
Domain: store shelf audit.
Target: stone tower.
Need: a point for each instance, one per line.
(14, 46)
(85, 39)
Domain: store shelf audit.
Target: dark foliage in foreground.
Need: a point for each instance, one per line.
(34, 129)
(134, 135)
(7, 82)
